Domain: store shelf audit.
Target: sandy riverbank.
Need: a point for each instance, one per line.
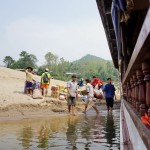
(15, 105)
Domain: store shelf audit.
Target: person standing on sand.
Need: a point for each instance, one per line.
(29, 80)
(109, 94)
(45, 82)
(72, 89)
(90, 96)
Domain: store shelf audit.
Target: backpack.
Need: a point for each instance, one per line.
(45, 78)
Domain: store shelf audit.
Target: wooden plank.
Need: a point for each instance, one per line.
(144, 33)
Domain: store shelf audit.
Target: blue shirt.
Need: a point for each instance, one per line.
(109, 90)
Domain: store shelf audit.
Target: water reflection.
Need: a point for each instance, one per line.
(43, 137)
(26, 137)
(85, 132)
(71, 133)
(110, 130)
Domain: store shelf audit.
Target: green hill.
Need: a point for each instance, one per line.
(89, 57)
(90, 65)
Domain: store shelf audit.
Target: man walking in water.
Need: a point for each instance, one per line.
(72, 88)
(90, 91)
(109, 93)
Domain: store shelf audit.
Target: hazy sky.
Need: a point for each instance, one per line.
(68, 28)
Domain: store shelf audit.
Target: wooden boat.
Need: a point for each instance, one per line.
(127, 28)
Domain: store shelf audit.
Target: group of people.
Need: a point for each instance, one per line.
(72, 89)
(31, 84)
(108, 92)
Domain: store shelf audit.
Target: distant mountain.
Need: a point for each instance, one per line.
(90, 65)
(89, 57)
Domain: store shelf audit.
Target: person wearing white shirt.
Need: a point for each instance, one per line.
(72, 88)
(90, 96)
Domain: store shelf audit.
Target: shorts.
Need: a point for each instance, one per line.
(90, 101)
(71, 101)
(29, 85)
(44, 86)
(110, 102)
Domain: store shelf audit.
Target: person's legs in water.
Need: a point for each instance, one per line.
(86, 106)
(92, 103)
(108, 104)
(69, 108)
(111, 104)
(73, 100)
(73, 110)
(108, 108)
(111, 108)
(69, 104)
(95, 108)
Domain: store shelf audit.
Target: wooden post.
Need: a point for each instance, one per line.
(146, 71)
(129, 92)
(134, 90)
(137, 104)
(142, 92)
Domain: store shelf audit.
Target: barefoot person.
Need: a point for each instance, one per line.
(90, 96)
(109, 94)
(72, 88)
(29, 80)
(45, 81)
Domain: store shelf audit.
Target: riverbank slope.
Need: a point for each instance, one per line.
(14, 104)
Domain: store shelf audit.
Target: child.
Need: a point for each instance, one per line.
(90, 96)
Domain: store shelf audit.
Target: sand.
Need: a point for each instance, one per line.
(12, 86)
(15, 105)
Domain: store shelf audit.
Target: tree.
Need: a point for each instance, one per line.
(49, 60)
(26, 60)
(23, 54)
(8, 61)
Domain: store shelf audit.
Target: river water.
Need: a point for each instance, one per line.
(82, 132)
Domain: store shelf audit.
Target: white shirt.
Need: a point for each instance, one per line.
(72, 87)
(90, 90)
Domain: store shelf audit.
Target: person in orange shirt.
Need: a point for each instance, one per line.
(97, 81)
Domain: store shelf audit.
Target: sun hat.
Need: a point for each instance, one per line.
(46, 69)
(30, 68)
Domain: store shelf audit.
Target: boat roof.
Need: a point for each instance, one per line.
(104, 7)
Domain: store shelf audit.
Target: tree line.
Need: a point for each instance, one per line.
(85, 67)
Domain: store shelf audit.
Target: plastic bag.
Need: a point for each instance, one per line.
(37, 94)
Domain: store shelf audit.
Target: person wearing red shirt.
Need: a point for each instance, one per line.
(97, 81)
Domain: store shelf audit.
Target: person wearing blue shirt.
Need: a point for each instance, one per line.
(109, 93)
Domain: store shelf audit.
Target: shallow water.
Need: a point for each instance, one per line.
(83, 132)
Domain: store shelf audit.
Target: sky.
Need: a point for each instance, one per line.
(67, 28)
